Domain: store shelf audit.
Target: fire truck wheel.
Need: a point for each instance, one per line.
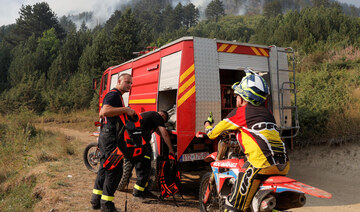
(127, 173)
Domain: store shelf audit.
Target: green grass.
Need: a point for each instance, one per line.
(20, 197)
(329, 98)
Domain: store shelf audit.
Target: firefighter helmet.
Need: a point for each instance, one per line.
(252, 88)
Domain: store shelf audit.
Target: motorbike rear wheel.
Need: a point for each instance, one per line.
(213, 203)
(126, 175)
(91, 156)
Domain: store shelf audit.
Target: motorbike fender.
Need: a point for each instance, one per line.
(211, 157)
(282, 184)
(257, 199)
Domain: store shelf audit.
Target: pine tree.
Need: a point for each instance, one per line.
(191, 15)
(35, 20)
(215, 10)
(272, 9)
(124, 39)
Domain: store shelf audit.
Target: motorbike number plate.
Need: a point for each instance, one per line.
(194, 156)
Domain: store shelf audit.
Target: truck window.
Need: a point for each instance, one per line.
(104, 85)
(114, 80)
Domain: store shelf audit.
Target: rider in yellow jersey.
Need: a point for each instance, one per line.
(258, 137)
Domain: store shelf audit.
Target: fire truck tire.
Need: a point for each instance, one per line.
(127, 173)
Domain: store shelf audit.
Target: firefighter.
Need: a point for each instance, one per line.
(107, 181)
(151, 122)
(258, 137)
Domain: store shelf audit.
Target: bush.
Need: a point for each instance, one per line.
(25, 96)
(327, 105)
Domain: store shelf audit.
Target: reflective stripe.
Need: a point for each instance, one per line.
(147, 157)
(98, 192)
(146, 184)
(107, 198)
(187, 73)
(139, 188)
(186, 96)
(256, 51)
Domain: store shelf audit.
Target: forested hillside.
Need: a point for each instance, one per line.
(47, 64)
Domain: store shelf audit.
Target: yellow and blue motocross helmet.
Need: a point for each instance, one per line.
(252, 88)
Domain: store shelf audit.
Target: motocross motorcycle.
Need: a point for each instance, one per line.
(276, 192)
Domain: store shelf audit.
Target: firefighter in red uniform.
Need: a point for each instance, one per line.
(151, 122)
(107, 180)
(258, 137)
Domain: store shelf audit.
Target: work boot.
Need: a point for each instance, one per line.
(95, 201)
(228, 207)
(139, 199)
(108, 206)
(138, 195)
(149, 194)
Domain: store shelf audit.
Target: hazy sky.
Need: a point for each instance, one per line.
(9, 9)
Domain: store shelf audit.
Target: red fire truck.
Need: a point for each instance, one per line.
(192, 76)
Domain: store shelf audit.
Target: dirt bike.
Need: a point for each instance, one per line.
(91, 156)
(276, 192)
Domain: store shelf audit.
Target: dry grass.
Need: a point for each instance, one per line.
(350, 53)
(47, 158)
(83, 119)
(344, 127)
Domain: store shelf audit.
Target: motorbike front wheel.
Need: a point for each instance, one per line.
(91, 157)
(213, 202)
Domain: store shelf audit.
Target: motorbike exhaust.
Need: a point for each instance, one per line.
(287, 200)
(268, 203)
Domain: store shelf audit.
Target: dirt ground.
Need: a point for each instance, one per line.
(68, 187)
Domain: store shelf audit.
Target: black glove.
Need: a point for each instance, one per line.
(210, 119)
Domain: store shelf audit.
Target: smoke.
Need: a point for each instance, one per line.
(102, 10)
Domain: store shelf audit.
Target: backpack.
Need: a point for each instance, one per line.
(134, 142)
(169, 177)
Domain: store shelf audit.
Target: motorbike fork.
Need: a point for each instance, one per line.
(222, 148)
(209, 188)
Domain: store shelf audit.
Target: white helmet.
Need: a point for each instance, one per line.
(252, 88)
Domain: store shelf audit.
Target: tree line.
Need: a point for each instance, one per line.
(48, 64)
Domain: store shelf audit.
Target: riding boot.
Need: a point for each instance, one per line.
(228, 207)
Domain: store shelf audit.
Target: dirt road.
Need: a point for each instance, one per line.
(67, 187)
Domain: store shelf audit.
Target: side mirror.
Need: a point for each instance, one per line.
(94, 85)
